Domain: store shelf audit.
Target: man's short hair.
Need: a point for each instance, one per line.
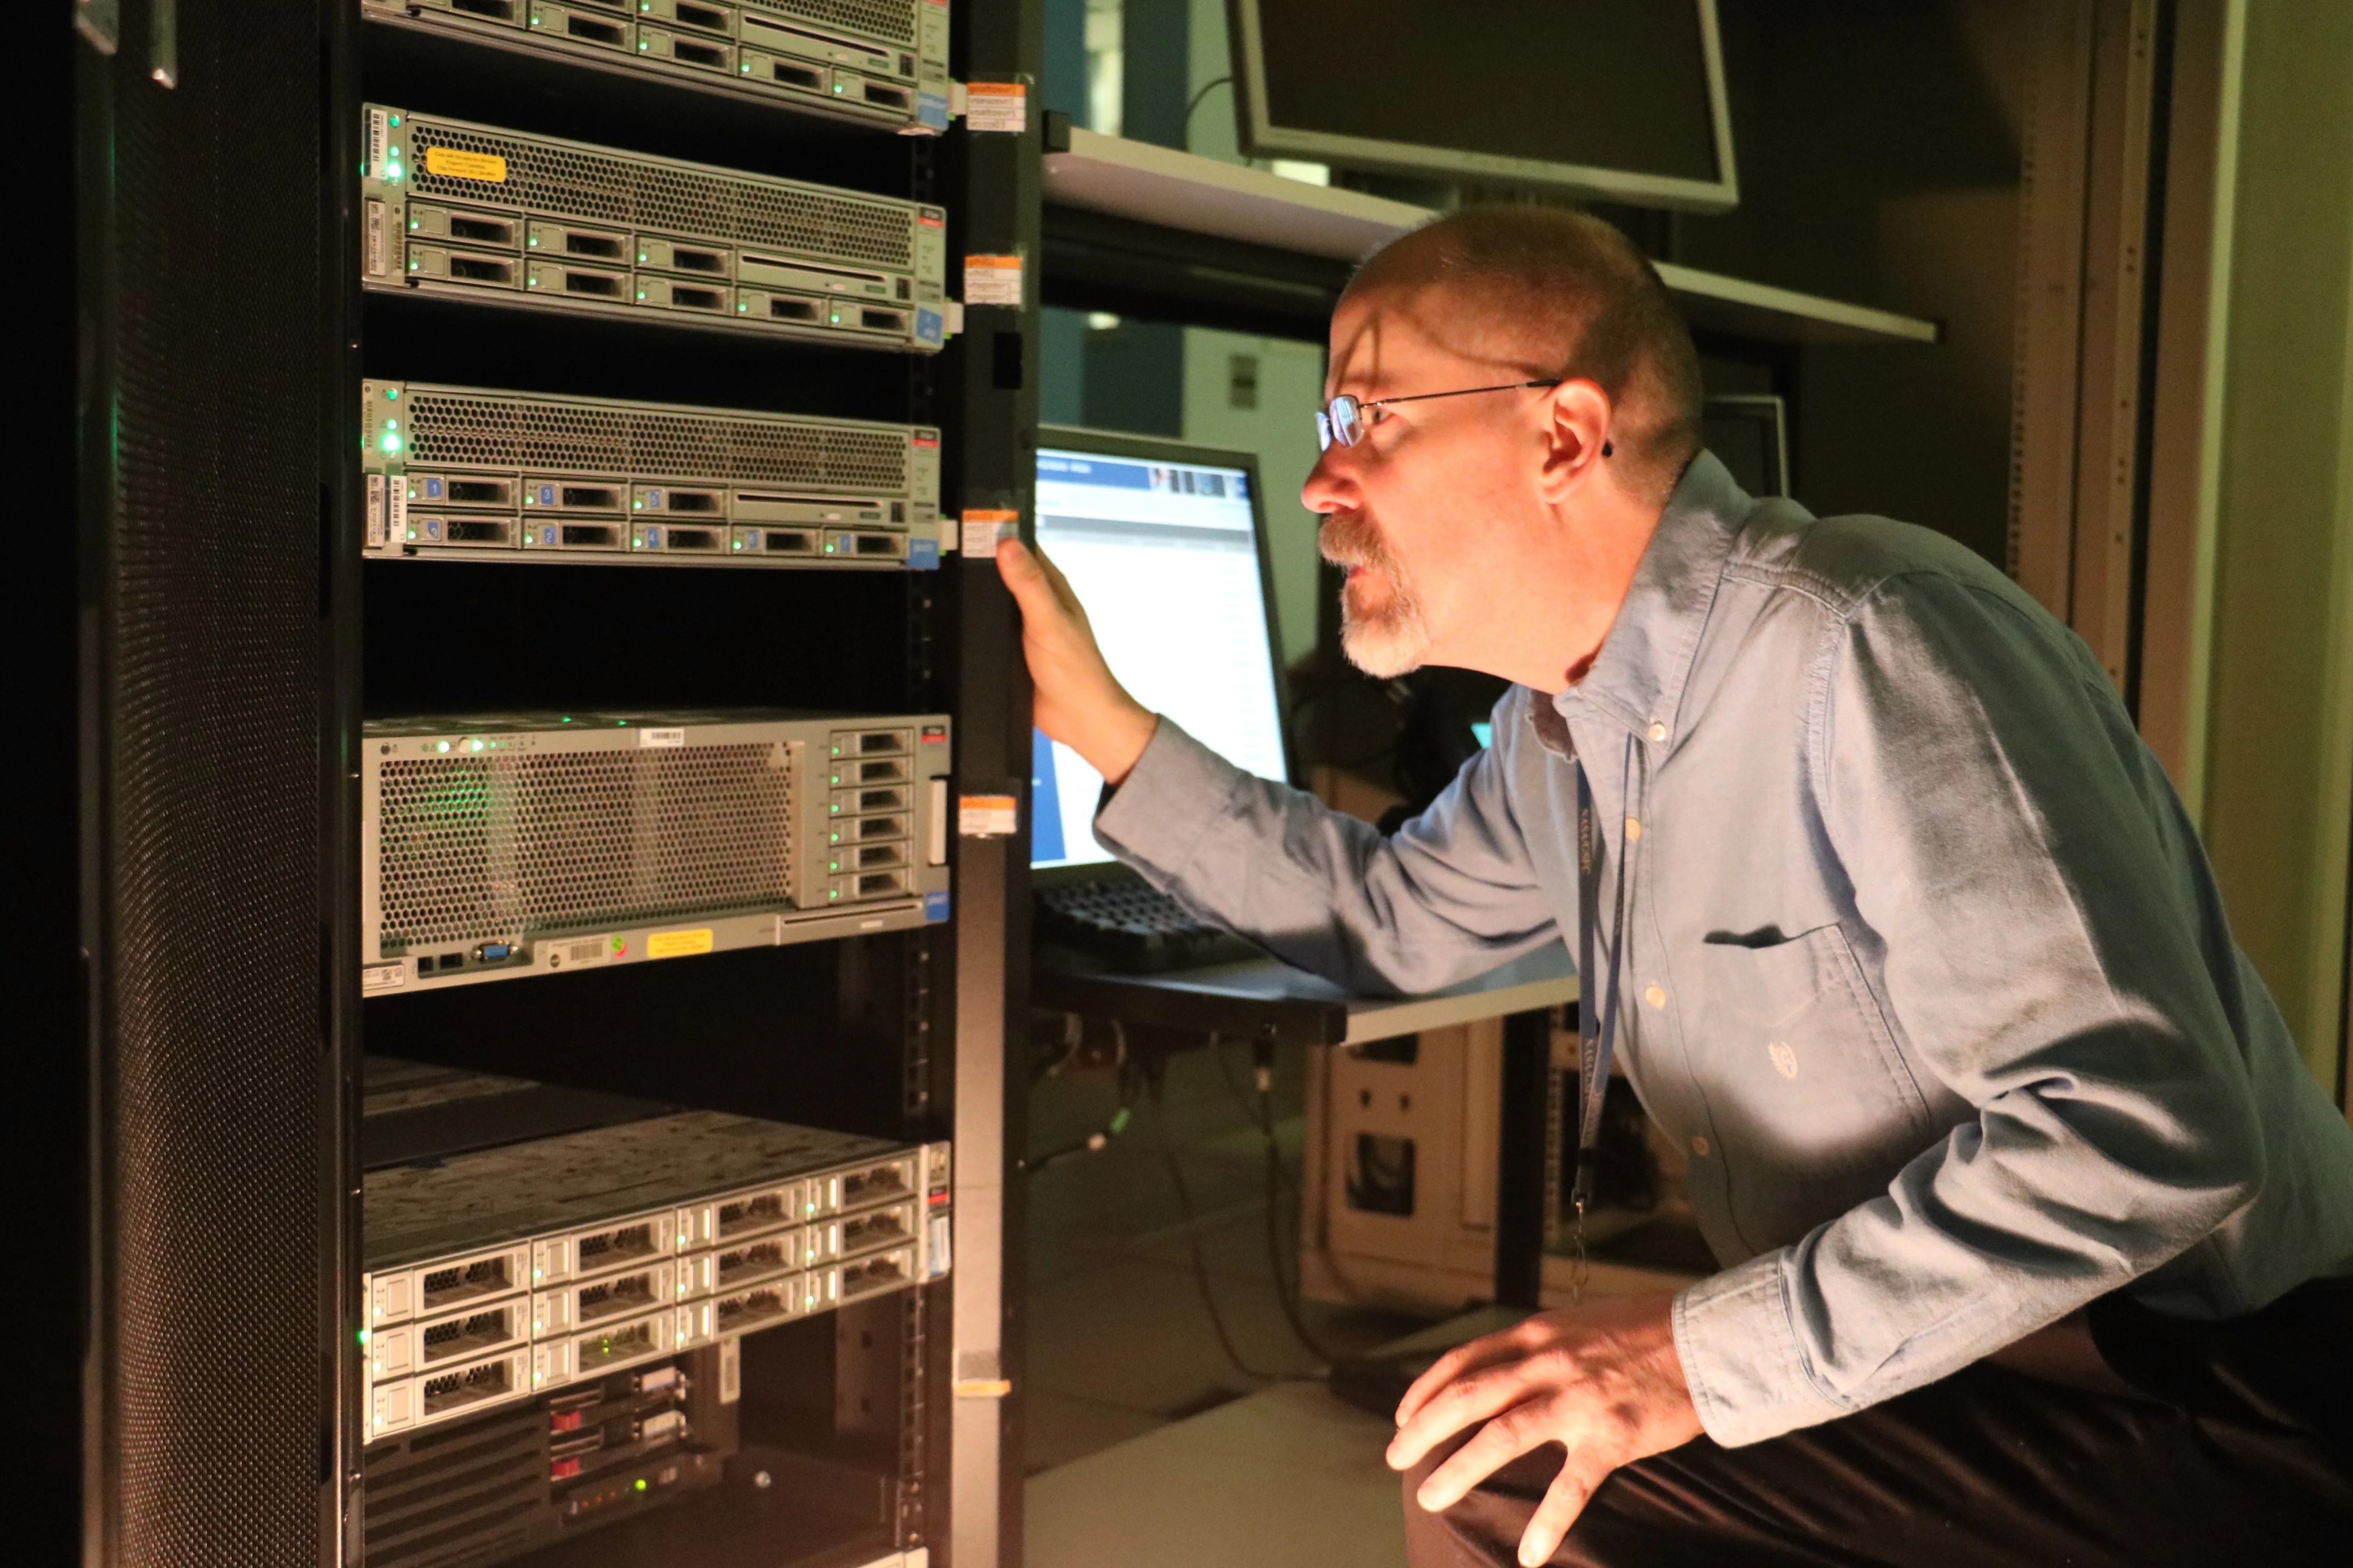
(1581, 302)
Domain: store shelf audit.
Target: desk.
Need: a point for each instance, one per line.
(1265, 1000)
(1261, 999)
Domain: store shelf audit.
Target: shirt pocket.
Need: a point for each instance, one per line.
(1814, 1106)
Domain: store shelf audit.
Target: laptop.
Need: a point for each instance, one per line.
(1165, 544)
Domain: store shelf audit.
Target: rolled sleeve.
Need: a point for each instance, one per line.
(1451, 895)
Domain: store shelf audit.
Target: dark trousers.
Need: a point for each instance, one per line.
(2239, 1451)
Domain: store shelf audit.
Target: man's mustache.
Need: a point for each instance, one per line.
(1350, 539)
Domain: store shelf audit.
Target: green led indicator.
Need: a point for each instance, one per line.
(442, 745)
(392, 423)
(641, 1483)
(391, 443)
(364, 1336)
(396, 120)
(391, 393)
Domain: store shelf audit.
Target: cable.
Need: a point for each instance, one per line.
(1193, 1234)
(1198, 97)
(1261, 1113)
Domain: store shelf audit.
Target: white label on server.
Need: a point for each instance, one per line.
(578, 954)
(379, 252)
(730, 1370)
(987, 815)
(379, 132)
(384, 977)
(996, 106)
(935, 851)
(992, 280)
(395, 509)
(661, 737)
(376, 512)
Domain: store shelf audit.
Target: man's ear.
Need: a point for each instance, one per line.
(1576, 436)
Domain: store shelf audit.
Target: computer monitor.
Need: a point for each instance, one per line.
(1619, 101)
(1750, 433)
(1166, 544)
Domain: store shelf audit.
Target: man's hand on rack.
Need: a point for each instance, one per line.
(1603, 1379)
(1079, 701)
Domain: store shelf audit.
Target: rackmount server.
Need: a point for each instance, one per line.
(495, 1485)
(498, 848)
(880, 62)
(459, 472)
(494, 1275)
(496, 217)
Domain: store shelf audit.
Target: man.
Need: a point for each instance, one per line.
(2031, 1221)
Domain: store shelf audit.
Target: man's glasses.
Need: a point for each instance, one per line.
(1345, 419)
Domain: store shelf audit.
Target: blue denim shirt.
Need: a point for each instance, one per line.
(1924, 963)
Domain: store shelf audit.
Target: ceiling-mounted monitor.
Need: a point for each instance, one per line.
(1620, 100)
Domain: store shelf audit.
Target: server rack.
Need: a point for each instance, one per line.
(234, 641)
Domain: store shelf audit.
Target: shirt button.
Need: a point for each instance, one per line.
(1656, 995)
(1634, 827)
(1699, 1146)
(1658, 730)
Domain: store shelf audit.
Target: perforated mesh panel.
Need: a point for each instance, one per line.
(495, 845)
(487, 431)
(563, 179)
(893, 19)
(211, 718)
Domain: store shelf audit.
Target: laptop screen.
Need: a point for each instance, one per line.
(1165, 555)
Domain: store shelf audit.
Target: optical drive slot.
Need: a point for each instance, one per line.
(776, 505)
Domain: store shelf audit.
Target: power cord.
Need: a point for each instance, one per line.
(1193, 1234)
(1260, 1108)
(1205, 89)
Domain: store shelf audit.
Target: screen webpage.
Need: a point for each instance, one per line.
(1165, 560)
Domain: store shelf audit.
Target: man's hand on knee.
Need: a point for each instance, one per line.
(1079, 701)
(1603, 1380)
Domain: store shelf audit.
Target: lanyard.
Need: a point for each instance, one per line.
(1597, 1017)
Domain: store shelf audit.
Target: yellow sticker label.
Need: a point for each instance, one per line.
(466, 166)
(678, 943)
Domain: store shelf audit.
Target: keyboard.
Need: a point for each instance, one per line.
(1134, 926)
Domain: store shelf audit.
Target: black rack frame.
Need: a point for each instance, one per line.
(225, 631)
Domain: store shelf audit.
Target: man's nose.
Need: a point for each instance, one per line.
(1328, 488)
